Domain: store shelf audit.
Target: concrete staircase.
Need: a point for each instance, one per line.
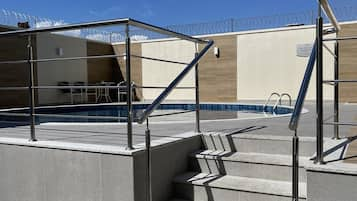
(243, 167)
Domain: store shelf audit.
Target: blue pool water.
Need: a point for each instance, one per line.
(165, 112)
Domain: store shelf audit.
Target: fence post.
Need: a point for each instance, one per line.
(295, 164)
(197, 93)
(129, 90)
(336, 93)
(31, 90)
(319, 89)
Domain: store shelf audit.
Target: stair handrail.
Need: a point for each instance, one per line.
(152, 107)
(294, 120)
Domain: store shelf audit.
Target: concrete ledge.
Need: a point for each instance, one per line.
(257, 158)
(273, 137)
(95, 148)
(235, 183)
(334, 168)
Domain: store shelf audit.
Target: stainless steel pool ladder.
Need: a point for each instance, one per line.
(280, 98)
(277, 102)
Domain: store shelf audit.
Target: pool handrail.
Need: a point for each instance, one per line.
(281, 97)
(150, 109)
(278, 102)
(294, 121)
(268, 100)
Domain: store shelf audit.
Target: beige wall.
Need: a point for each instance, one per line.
(267, 62)
(50, 73)
(156, 73)
(263, 62)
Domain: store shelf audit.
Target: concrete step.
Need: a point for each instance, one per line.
(276, 167)
(203, 187)
(248, 143)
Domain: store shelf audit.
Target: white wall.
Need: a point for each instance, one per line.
(156, 73)
(267, 62)
(50, 73)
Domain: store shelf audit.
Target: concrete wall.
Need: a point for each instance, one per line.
(61, 171)
(331, 186)
(42, 174)
(50, 73)
(268, 62)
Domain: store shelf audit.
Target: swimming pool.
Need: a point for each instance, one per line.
(178, 112)
(171, 113)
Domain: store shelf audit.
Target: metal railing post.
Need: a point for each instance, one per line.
(197, 94)
(295, 164)
(319, 89)
(129, 90)
(336, 93)
(148, 156)
(31, 90)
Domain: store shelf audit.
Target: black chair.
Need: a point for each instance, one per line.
(78, 91)
(64, 84)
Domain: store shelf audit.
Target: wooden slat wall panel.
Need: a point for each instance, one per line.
(136, 65)
(348, 70)
(14, 48)
(348, 63)
(102, 69)
(218, 76)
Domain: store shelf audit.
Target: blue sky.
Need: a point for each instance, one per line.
(161, 12)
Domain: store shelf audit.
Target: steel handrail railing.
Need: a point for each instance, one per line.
(160, 60)
(91, 57)
(294, 120)
(330, 14)
(63, 59)
(174, 83)
(316, 55)
(123, 21)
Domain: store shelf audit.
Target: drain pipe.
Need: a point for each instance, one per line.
(295, 164)
(148, 157)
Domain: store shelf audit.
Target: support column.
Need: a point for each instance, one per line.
(31, 90)
(129, 90)
(319, 90)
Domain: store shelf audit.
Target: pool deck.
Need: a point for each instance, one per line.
(114, 134)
